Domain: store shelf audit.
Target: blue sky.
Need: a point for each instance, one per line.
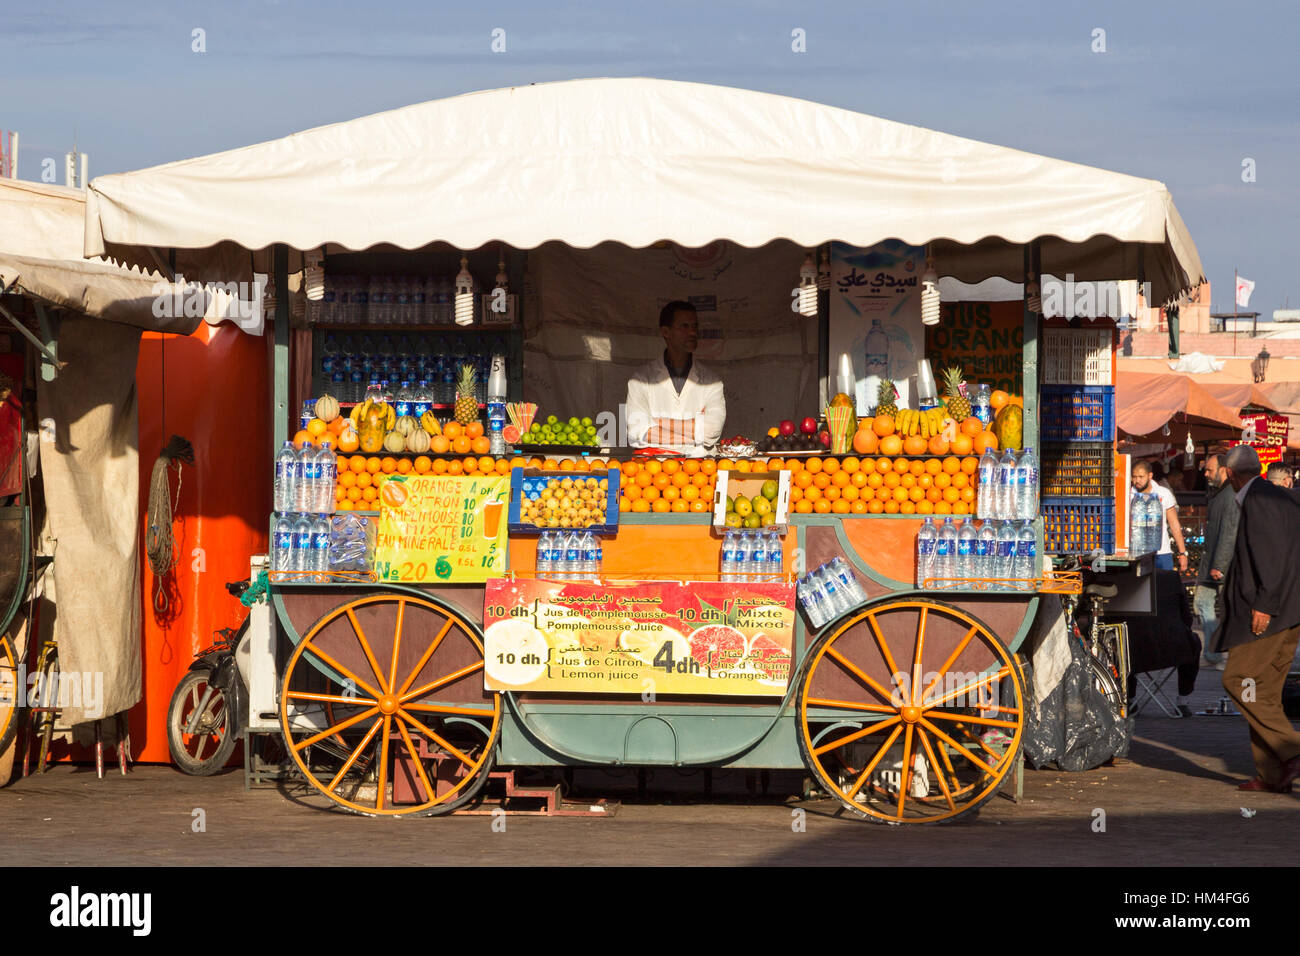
(1183, 93)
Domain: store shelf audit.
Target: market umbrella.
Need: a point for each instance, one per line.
(636, 161)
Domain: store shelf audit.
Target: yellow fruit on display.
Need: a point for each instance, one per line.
(327, 408)
(1009, 426)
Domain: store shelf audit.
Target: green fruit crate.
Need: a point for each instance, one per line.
(1078, 470)
(527, 483)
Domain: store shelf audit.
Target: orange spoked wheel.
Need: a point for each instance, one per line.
(383, 709)
(910, 711)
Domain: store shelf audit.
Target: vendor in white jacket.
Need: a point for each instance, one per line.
(674, 402)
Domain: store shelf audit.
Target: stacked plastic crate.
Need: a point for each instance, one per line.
(1077, 428)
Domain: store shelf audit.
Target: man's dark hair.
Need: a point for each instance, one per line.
(669, 312)
(1277, 471)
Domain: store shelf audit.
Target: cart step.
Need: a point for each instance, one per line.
(553, 803)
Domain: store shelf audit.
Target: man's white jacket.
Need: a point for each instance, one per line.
(651, 395)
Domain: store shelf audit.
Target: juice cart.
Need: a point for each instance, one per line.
(399, 684)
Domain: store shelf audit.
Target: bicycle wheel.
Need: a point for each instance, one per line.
(10, 693)
(200, 725)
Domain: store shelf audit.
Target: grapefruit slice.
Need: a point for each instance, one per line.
(510, 434)
(718, 646)
(770, 658)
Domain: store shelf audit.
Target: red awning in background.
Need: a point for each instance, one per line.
(1146, 402)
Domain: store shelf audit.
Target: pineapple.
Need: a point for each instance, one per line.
(885, 404)
(958, 405)
(466, 409)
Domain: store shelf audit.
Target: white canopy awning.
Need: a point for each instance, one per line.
(41, 242)
(637, 161)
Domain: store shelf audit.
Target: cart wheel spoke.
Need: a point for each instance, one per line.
(938, 770)
(857, 672)
(866, 771)
(916, 668)
(982, 682)
(424, 659)
(905, 770)
(447, 709)
(958, 747)
(965, 718)
(849, 705)
(952, 659)
(880, 641)
(441, 682)
(352, 757)
(330, 662)
(856, 735)
(365, 646)
(332, 699)
(429, 789)
(383, 764)
(397, 643)
(329, 731)
(466, 760)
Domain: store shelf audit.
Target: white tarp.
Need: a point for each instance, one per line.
(637, 161)
(1196, 363)
(593, 317)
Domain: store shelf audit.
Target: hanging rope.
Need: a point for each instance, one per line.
(160, 546)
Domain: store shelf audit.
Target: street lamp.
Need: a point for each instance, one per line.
(1259, 364)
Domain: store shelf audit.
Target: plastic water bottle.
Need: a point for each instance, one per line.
(966, 539)
(945, 553)
(1006, 551)
(926, 542)
(986, 551)
(837, 601)
(545, 564)
(590, 566)
(1137, 517)
(727, 557)
(327, 466)
(282, 546)
(1006, 502)
(1026, 555)
(775, 556)
(982, 404)
(302, 542)
(848, 581)
(810, 599)
(986, 491)
(1027, 486)
(744, 556)
(571, 566)
(304, 479)
(422, 399)
(286, 478)
(600, 555)
(320, 548)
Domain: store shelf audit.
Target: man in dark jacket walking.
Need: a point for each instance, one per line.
(1261, 623)
(1220, 540)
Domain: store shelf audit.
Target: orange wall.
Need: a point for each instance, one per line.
(212, 388)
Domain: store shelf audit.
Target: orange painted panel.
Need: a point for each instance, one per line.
(212, 388)
(886, 545)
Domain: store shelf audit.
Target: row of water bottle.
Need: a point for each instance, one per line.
(348, 363)
(304, 480)
(386, 300)
(302, 543)
(1146, 523)
(569, 556)
(1008, 486)
(829, 591)
(749, 555)
(997, 549)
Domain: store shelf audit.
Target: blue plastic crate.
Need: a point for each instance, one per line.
(1077, 413)
(1078, 525)
(529, 482)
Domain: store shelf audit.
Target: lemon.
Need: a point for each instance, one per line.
(744, 507)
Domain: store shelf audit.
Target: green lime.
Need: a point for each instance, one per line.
(770, 488)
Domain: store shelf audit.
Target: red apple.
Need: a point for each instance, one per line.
(786, 428)
(808, 426)
(825, 439)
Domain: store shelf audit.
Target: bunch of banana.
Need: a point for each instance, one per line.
(926, 424)
(430, 423)
(361, 412)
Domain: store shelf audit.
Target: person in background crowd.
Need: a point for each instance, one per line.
(1280, 475)
(1170, 529)
(1220, 540)
(1261, 621)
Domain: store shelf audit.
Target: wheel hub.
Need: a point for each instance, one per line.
(388, 705)
(911, 714)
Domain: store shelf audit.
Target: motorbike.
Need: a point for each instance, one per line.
(209, 708)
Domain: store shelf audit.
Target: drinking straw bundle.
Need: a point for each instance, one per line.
(840, 421)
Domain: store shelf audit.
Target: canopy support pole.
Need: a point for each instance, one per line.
(280, 349)
(50, 363)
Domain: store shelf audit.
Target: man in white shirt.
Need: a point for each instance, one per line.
(1170, 529)
(674, 402)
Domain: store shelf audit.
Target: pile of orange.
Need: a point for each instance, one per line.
(673, 485)
(876, 436)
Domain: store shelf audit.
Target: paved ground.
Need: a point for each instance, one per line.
(1172, 803)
